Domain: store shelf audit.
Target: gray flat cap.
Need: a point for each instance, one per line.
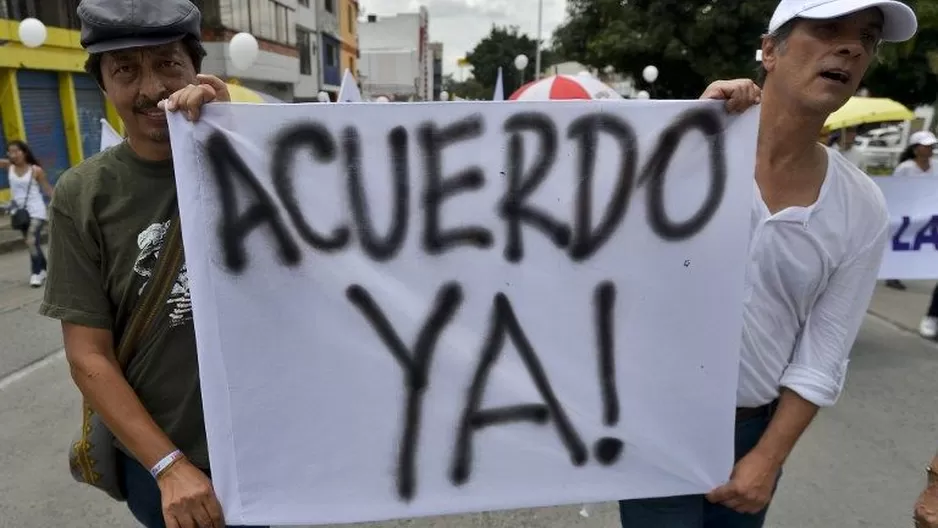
(110, 25)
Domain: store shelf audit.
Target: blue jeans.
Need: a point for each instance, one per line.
(694, 511)
(33, 238)
(143, 495)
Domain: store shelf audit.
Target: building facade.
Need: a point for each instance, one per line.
(436, 52)
(348, 29)
(273, 22)
(395, 56)
(330, 46)
(307, 45)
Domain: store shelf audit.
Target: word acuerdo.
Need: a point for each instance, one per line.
(577, 236)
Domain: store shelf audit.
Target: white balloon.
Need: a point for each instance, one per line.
(642, 95)
(650, 74)
(521, 62)
(382, 99)
(243, 50)
(444, 96)
(323, 97)
(32, 32)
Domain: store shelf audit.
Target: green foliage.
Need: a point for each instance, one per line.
(499, 49)
(469, 89)
(692, 42)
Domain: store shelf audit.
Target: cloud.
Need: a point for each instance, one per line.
(461, 24)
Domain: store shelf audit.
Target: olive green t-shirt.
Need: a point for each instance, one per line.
(107, 219)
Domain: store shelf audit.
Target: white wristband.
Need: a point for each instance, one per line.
(165, 462)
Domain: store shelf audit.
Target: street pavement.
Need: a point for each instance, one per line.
(859, 465)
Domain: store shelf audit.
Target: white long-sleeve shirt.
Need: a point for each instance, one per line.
(812, 271)
(909, 168)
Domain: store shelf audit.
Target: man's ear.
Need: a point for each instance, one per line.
(770, 51)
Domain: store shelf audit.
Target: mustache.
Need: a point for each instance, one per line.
(145, 104)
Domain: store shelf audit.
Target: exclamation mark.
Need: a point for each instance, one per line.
(607, 449)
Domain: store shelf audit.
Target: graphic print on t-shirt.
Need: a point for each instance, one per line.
(150, 241)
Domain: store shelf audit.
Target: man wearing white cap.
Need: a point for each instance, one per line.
(820, 227)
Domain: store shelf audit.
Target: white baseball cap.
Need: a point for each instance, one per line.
(924, 138)
(899, 22)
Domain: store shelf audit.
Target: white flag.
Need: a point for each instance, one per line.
(348, 92)
(499, 87)
(109, 136)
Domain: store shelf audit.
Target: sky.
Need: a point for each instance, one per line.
(461, 24)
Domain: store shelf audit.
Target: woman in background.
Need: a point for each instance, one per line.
(916, 160)
(28, 184)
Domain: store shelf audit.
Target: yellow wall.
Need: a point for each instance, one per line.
(61, 52)
(348, 56)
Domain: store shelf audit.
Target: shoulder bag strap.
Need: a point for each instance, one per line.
(149, 304)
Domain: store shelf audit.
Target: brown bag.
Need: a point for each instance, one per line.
(92, 457)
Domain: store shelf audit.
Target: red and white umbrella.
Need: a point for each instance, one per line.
(564, 87)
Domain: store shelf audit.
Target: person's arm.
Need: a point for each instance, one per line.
(42, 180)
(4, 163)
(925, 511)
(76, 296)
(816, 375)
(95, 370)
(814, 378)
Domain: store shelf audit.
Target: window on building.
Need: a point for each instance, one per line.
(61, 14)
(330, 6)
(266, 19)
(332, 55)
(304, 3)
(304, 44)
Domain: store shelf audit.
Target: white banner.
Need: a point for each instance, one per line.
(417, 309)
(109, 136)
(912, 252)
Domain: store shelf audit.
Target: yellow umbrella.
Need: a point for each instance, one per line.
(240, 94)
(863, 110)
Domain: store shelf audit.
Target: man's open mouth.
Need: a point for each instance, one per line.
(840, 76)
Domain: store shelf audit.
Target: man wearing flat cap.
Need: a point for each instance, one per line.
(820, 228)
(110, 217)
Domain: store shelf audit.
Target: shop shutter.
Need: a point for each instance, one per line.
(4, 180)
(90, 102)
(42, 115)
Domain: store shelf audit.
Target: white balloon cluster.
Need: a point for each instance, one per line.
(323, 97)
(243, 50)
(32, 32)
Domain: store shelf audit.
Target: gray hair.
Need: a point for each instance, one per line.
(779, 37)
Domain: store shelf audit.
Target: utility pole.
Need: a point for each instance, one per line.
(537, 55)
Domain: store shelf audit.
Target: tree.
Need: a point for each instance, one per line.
(906, 71)
(499, 49)
(469, 89)
(692, 42)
